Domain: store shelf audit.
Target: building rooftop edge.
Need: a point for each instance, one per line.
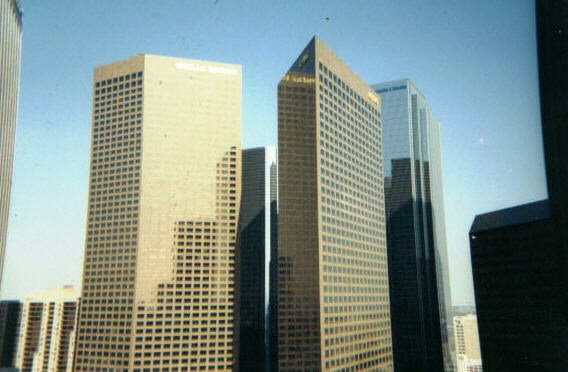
(18, 9)
(179, 59)
(407, 81)
(65, 293)
(517, 215)
(269, 147)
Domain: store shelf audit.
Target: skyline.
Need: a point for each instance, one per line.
(51, 169)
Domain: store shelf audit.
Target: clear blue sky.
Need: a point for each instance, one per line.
(475, 61)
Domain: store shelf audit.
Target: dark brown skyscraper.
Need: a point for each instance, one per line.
(333, 301)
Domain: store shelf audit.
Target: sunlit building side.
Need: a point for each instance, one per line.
(46, 332)
(333, 300)
(468, 355)
(10, 45)
(164, 199)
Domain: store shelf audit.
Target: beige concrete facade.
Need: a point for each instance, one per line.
(10, 45)
(333, 282)
(46, 337)
(158, 281)
(468, 352)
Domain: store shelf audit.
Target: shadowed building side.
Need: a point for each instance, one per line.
(9, 324)
(257, 262)
(520, 255)
(418, 262)
(516, 272)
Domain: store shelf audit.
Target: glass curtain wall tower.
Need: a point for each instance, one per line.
(418, 262)
(10, 44)
(333, 300)
(257, 260)
(164, 199)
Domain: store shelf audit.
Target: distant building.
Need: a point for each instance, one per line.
(46, 336)
(10, 48)
(468, 355)
(9, 324)
(163, 209)
(472, 366)
(258, 260)
(416, 233)
(333, 300)
(519, 254)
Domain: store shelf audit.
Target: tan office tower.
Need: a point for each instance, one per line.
(10, 43)
(46, 334)
(158, 279)
(333, 282)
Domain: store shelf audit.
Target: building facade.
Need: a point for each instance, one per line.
(416, 236)
(10, 44)
(333, 300)
(46, 335)
(258, 259)
(468, 354)
(516, 270)
(164, 199)
(9, 325)
(519, 255)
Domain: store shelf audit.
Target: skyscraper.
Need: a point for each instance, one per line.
(416, 236)
(164, 199)
(10, 43)
(46, 333)
(519, 255)
(257, 261)
(333, 301)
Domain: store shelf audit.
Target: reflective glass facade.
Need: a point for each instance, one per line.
(257, 260)
(418, 263)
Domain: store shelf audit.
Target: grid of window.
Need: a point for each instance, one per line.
(356, 321)
(298, 286)
(110, 255)
(31, 319)
(191, 327)
(333, 308)
(47, 333)
(157, 293)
